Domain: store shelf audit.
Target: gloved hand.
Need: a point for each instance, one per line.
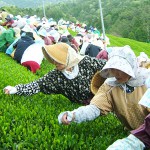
(10, 90)
(66, 117)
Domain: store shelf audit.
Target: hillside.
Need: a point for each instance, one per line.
(135, 45)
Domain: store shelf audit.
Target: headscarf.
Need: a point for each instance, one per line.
(124, 60)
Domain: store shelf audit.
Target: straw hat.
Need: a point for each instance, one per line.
(96, 82)
(57, 52)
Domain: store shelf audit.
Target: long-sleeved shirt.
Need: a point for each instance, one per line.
(76, 90)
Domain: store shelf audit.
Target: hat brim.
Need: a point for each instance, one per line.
(46, 55)
(118, 63)
(56, 53)
(96, 82)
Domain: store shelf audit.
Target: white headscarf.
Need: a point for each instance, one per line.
(125, 60)
(73, 59)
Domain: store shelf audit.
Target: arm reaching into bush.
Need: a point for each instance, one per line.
(82, 114)
(71, 77)
(10, 90)
(120, 94)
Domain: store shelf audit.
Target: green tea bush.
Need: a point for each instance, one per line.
(30, 122)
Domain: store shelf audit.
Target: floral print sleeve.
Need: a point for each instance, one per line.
(27, 89)
(76, 90)
(44, 84)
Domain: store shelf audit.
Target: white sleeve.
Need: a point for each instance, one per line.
(82, 114)
(128, 143)
(83, 48)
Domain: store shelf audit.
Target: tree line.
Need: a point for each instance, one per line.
(124, 18)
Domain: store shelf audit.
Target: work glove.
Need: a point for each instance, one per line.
(70, 116)
(10, 90)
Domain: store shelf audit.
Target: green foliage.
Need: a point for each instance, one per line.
(73, 33)
(135, 45)
(30, 122)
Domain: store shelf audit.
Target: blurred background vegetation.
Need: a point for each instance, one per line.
(123, 18)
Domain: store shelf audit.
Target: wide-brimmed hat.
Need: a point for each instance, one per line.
(96, 82)
(27, 28)
(62, 53)
(118, 63)
(57, 52)
(122, 59)
(55, 34)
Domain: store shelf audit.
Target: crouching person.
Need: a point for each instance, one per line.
(32, 57)
(120, 94)
(71, 77)
(139, 138)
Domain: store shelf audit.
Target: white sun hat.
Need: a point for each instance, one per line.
(122, 59)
